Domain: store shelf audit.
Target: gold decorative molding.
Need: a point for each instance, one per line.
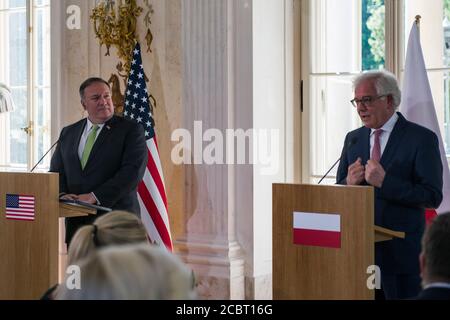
(148, 22)
(116, 95)
(115, 24)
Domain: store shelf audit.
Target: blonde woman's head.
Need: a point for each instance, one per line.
(137, 272)
(114, 228)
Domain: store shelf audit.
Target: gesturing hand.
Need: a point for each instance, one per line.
(355, 173)
(374, 173)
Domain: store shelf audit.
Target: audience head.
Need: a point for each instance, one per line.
(135, 272)
(114, 228)
(435, 255)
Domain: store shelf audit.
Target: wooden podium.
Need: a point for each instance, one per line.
(29, 248)
(315, 272)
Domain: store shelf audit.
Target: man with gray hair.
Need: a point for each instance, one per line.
(401, 160)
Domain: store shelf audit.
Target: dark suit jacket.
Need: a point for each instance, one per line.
(434, 294)
(115, 166)
(412, 183)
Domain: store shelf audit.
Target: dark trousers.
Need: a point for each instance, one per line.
(75, 223)
(400, 286)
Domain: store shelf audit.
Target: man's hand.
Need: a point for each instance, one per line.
(88, 198)
(69, 197)
(374, 173)
(355, 173)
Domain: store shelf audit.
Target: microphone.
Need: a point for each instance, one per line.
(42, 158)
(351, 143)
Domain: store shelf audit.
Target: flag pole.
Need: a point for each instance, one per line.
(418, 17)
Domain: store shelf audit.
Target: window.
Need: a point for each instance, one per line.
(25, 69)
(344, 37)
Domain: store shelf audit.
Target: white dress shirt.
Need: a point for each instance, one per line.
(387, 130)
(84, 136)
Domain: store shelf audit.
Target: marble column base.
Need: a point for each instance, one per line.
(218, 268)
(258, 288)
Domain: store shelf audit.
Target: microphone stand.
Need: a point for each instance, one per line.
(351, 143)
(329, 170)
(42, 158)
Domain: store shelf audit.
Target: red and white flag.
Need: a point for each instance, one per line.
(20, 207)
(418, 106)
(317, 229)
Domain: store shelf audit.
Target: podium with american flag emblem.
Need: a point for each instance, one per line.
(29, 212)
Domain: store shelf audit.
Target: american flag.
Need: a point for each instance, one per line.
(151, 190)
(20, 207)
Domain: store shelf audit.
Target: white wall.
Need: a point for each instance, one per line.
(272, 103)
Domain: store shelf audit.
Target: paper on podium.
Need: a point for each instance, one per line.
(85, 204)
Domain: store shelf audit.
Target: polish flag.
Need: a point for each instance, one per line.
(418, 106)
(317, 229)
(430, 214)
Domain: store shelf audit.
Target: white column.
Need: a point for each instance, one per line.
(235, 62)
(209, 244)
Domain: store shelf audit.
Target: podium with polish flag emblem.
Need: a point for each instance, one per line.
(29, 212)
(323, 242)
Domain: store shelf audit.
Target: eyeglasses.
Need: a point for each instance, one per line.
(366, 101)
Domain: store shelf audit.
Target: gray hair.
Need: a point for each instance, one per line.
(384, 82)
(131, 272)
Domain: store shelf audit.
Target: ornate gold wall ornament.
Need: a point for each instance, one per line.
(148, 22)
(116, 95)
(115, 24)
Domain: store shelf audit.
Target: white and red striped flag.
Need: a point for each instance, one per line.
(151, 190)
(317, 229)
(418, 106)
(20, 207)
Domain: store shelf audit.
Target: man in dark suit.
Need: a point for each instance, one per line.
(402, 161)
(100, 159)
(435, 260)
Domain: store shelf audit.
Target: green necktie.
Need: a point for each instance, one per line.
(88, 146)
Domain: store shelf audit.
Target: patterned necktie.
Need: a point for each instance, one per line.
(376, 150)
(88, 146)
